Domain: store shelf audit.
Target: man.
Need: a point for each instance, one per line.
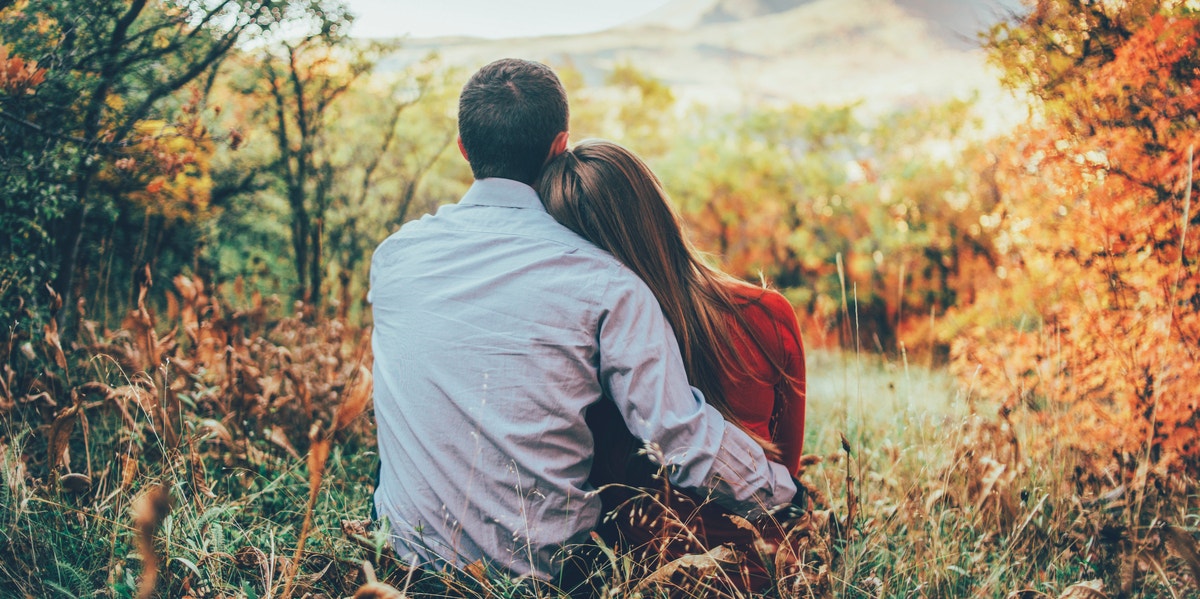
(496, 329)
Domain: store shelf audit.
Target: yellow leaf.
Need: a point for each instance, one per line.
(354, 399)
(1091, 589)
(60, 436)
(694, 567)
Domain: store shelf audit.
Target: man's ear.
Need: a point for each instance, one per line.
(462, 150)
(559, 145)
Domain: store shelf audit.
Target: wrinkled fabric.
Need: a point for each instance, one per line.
(495, 329)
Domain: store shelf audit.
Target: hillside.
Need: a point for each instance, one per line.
(729, 53)
(955, 22)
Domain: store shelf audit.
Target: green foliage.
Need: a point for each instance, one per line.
(859, 220)
(294, 85)
(867, 222)
(314, 158)
(78, 135)
(378, 154)
(29, 206)
(643, 110)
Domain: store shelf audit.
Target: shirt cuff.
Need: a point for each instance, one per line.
(744, 481)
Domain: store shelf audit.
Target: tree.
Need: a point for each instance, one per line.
(1113, 225)
(401, 167)
(861, 223)
(109, 66)
(297, 86)
(302, 80)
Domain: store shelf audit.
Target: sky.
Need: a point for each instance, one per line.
(491, 18)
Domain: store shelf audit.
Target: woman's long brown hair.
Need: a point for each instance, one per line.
(606, 194)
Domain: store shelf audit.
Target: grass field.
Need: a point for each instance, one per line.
(936, 496)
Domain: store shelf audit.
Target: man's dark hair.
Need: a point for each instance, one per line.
(509, 113)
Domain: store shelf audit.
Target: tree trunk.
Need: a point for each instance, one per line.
(72, 236)
(300, 238)
(314, 262)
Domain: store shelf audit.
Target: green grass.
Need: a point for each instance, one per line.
(949, 505)
(952, 504)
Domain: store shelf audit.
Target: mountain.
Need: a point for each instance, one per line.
(688, 14)
(956, 22)
(731, 53)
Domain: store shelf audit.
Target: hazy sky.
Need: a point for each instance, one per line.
(492, 18)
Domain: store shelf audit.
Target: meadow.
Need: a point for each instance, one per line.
(201, 483)
(1001, 326)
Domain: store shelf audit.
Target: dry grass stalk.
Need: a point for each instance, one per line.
(276, 435)
(851, 496)
(149, 511)
(51, 339)
(763, 549)
(478, 571)
(318, 455)
(803, 559)
(7, 402)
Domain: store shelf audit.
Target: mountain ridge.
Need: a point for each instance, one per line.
(956, 21)
(883, 54)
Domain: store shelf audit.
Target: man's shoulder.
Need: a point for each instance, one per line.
(470, 225)
(410, 229)
(459, 233)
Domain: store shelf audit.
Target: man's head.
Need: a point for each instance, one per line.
(512, 117)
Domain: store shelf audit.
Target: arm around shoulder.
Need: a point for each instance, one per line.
(642, 370)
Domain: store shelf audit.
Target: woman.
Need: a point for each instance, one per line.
(740, 343)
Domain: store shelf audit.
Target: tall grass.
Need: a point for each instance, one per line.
(922, 489)
(954, 505)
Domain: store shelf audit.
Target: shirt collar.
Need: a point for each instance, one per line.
(503, 193)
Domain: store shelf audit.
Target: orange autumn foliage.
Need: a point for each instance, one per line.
(1104, 196)
(18, 76)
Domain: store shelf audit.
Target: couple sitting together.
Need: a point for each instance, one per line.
(536, 340)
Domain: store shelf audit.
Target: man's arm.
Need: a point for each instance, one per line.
(643, 372)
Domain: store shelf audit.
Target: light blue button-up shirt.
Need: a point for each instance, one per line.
(495, 329)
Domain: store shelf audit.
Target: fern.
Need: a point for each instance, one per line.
(72, 581)
(216, 538)
(212, 514)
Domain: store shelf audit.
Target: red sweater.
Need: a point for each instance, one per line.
(766, 403)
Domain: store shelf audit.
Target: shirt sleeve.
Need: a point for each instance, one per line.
(642, 371)
(790, 392)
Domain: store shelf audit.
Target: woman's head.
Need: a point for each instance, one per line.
(606, 194)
